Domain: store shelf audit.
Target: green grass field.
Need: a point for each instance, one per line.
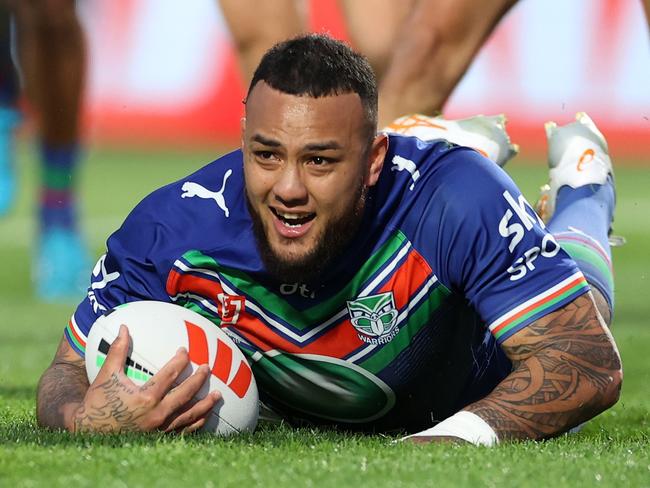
(613, 450)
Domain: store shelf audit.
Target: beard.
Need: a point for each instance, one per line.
(329, 245)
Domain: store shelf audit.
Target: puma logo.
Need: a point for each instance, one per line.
(191, 189)
(99, 271)
(101, 278)
(403, 164)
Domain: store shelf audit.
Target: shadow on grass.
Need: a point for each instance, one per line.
(20, 392)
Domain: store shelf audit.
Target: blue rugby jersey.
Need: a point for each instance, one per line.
(400, 332)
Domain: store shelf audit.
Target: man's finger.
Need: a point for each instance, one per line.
(194, 417)
(116, 357)
(183, 393)
(160, 383)
(195, 426)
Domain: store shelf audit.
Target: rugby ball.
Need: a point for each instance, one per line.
(157, 330)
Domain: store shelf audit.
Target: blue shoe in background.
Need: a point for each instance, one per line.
(61, 269)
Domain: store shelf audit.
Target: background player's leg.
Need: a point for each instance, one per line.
(436, 45)
(486, 134)
(373, 26)
(9, 116)
(52, 55)
(583, 187)
(256, 26)
(580, 223)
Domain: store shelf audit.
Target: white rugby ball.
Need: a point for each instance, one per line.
(157, 330)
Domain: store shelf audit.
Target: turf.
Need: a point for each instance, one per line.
(613, 450)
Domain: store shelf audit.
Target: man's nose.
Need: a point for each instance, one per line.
(290, 188)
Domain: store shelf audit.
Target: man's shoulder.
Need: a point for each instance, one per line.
(231, 162)
(440, 189)
(194, 209)
(212, 193)
(437, 174)
(436, 163)
(416, 150)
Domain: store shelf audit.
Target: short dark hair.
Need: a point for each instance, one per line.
(316, 65)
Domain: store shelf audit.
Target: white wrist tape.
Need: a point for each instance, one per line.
(464, 425)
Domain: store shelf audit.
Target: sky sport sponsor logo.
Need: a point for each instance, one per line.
(374, 317)
(510, 228)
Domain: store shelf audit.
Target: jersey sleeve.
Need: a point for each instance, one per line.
(131, 269)
(496, 251)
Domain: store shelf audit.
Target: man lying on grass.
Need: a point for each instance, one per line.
(386, 283)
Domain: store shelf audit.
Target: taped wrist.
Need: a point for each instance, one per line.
(464, 425)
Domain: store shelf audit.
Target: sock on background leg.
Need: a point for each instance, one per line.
(62, 261)
(57, 206)
(581, 223)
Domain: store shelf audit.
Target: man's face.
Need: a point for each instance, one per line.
(307, 164)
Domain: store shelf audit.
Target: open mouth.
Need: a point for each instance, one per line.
(293, 220)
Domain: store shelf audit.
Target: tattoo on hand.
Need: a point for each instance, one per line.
(112, 413)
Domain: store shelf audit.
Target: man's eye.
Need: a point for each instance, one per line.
(265, 156)
(319, 160)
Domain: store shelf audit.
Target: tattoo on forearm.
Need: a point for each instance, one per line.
(562, 375)
(112, 413)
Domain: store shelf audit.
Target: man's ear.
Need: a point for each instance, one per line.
(376, 159)
(242, 128)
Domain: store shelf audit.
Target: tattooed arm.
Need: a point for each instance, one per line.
(113, 403)
(566, 370)
(62, 388)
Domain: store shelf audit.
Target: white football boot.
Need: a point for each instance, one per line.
(577, 156)
(485, 134)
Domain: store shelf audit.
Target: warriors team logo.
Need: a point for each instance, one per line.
(375, 318)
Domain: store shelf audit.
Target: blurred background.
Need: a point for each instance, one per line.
(163, 97)
(165, 72)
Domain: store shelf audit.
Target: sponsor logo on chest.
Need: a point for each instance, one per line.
(230, 307)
